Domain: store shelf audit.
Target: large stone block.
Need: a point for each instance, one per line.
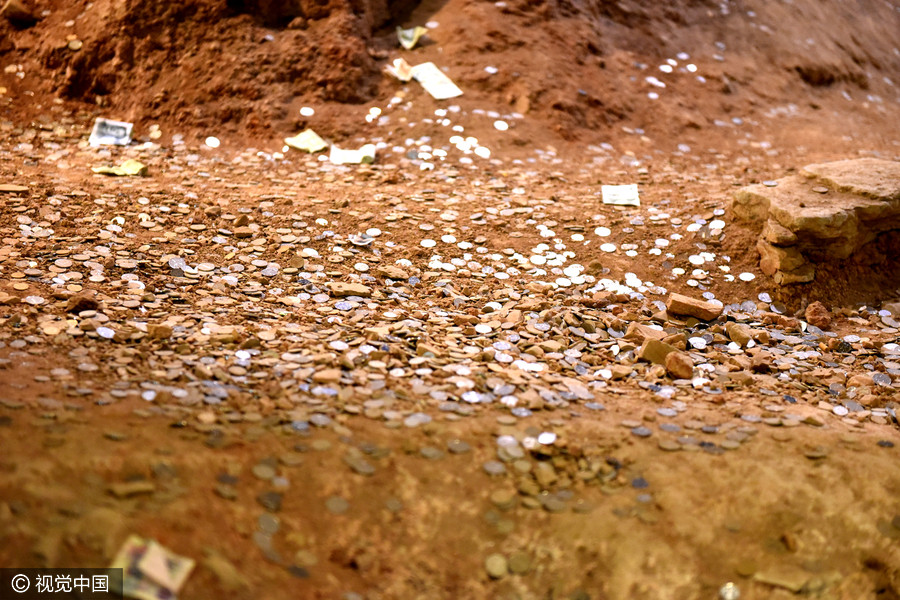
(869, 177)
(827, 213)
(751, 203)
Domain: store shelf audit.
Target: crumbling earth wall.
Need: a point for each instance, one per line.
(580, 66)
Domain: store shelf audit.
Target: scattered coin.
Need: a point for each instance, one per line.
(496, 566)
(337, 505)
(270, 501)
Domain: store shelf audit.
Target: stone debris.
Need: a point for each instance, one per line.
(738, 333)
(783, 576)
(655, 351)
(828, 213)
(79, 303)
(102, 530)
(680, 305)
(679, 365)
(349, 362)
(342, 289)
(133, 488)
(640, 332)
(225, 572)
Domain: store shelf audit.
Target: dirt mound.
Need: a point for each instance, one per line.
(210, 62)
(576, 68)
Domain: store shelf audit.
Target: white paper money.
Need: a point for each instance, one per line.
(621, 195)
(340, 156)
(129, 167)
(410, 37)
(164, 567)
(308, 140)
(110, 133)
(435, 82)
(151, 571)
(400, 69)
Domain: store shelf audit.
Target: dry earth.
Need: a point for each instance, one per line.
(422, 378)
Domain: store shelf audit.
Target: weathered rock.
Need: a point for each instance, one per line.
(751, 204)
(392, 272)
(640, 332)
(158, 331)
(243, 232)
(679, 365)
(829, 212)
(777, 234)
(341, 289)
(740, 378)
(869, 177)
(869, 400)
(861, 380)
(817, 314)
(679, 340)
(227, 574)
(545, 474)
(101, 530)
(620, 371)
(739, 334)
(772, 258)
(131, 488)
(655, 351)
(804, 274)
(761, 363)
(550, 346)
(687, 306)
(82, 302)
(327, 376)
(784, 576)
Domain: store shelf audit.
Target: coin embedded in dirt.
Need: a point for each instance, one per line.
(669, 445)
(493, 467)
(431, 453)
(496, 566)
(263, 471)
(270, 501)
(503, 499)
(642, 431)
(458, 447)
(269, 524)
(519, 563)
(337, 505)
